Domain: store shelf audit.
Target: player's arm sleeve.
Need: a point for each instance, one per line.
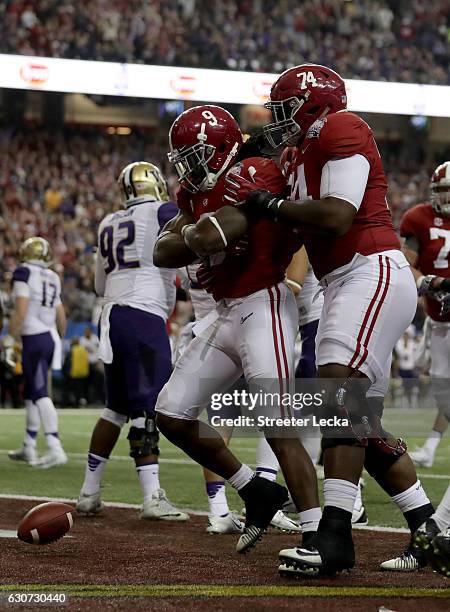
(345, 178)
(21, 289)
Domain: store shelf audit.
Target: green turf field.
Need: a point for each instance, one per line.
(179, 476)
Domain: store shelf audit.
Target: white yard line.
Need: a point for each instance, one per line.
(73, 501)
(194, 464)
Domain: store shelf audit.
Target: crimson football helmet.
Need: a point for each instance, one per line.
(300, 96)
(440, 189)
(204, 141)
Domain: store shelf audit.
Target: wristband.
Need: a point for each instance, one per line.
(185, 228)
(293, 284)
(419, 281)
(219, 229)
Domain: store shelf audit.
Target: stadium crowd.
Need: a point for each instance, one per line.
(392, 40)
(61, 185)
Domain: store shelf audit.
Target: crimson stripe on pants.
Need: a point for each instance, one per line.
(275, 343)
(376, 313)
(283, 348)
(367, 315)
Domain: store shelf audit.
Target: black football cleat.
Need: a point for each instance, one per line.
(439, 554)
(424, 535)
(263, 499)
(329, 551)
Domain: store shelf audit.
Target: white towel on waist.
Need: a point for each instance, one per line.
(105, 352)
(57, 351)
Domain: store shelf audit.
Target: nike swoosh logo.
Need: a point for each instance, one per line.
(244, 319)
(303, 150)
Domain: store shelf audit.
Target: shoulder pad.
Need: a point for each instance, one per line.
(166, 212)
(21, 274)
(342, 134)
(412, 218)
(262, 171)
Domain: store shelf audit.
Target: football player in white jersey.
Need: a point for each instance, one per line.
(220, 519)
(309, 297)
(40, 320)
(134, 345)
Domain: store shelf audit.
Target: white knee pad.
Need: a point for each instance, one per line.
(113, 417)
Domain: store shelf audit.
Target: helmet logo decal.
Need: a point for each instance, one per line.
(315, 129)
(307, 77)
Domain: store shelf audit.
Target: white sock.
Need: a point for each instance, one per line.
(266, 461)
(339, 493)
(93, 476)
(139, 422)
(49, 418)
(148, 479)
(241, 477)
(217, 498)
(309, 519)
(33, 424)
(432, 443)
(53, 442)
(442, 514)
(358, 500)
(412, 498)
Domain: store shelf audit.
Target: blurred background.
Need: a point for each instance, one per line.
(67, 128)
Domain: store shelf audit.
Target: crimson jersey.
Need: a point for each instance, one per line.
(270, 245)
(432, 231)
(337, 136)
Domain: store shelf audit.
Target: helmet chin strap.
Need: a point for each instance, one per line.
(211, 177)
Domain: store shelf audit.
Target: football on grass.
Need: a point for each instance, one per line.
(45, 523)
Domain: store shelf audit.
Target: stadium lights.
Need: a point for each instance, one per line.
(195, 84)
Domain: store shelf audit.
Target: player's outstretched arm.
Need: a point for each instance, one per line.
(18, 316)
(171, 250)
(297, 270)
(214, 233)
(61, 321)
(329, 215)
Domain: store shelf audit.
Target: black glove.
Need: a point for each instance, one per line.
(263, 203)
(430, 285)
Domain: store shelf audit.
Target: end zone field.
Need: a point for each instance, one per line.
(116, 560)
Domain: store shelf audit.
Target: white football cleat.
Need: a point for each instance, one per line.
(89, 505)
(359, 516)
(160, 509)
(284, 523)
(51, 459)
(300, 562)
(26, 453)
(421, 458)
(406, 562)
(224, 524)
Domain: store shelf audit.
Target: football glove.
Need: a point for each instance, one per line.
(430, 285)
(9, 352)
(437, 288)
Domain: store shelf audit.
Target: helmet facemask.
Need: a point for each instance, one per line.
(284, 126)
(440, 199)
(191, 164)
